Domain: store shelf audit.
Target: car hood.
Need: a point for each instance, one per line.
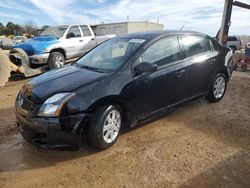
(36, 45)
(61, 80)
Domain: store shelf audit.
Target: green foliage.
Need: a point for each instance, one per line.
(28, 27)
(10, 29)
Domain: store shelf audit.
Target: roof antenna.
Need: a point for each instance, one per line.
(182, 27)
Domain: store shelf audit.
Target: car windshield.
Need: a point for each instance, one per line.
(56, 31)
(111, 54)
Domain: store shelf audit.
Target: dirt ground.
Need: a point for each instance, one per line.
(196, 145)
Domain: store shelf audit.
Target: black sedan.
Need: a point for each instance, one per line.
(122, 82)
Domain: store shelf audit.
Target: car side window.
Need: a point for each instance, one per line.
(194, 45)
(85, 30)
(74, 32)
(162, 52)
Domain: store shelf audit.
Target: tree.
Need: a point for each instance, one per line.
(30, 28)
(45, 27)
(2, 28)
(12, 29)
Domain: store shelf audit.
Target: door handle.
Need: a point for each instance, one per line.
(93, 39)
(180, 73)
(80, 40)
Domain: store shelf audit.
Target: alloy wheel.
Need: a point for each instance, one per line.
(111, 126)
(219, 87)
(59, 61)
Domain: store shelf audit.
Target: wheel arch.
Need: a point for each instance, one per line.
(61, 50)
(225, 72)
(112, 100)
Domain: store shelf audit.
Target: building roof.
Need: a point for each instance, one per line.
(154, 34)
(126, 23)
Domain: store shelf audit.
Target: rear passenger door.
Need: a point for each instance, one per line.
(200, 58)
(166, 86)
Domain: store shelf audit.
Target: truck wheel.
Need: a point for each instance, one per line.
(244, 68)
(4, 68)
(217, 88)
(56, 60)
(105, 126)
(235, 67)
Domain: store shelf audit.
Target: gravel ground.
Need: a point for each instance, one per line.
(196, 145)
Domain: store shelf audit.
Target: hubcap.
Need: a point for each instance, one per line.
(59, 61)
(111, 126)
(219, 87)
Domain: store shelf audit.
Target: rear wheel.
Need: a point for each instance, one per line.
(105, 126)
(56, 60)
(217, 88)
(244, 68)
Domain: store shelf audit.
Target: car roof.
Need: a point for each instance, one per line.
(154, 34)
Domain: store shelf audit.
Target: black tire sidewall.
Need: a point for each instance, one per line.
(52, 59)
(244, 68)
(95, 130)
(211, 96)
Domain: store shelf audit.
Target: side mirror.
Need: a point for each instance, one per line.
(145, 67)
(70, 35)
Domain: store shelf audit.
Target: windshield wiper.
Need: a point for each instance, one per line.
(91, 68)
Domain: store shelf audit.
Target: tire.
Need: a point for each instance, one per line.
(235, 67)
(244, 68)
(56, 60)
(218, 88)
(97, 136)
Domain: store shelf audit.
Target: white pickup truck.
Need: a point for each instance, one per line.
(234, 43)
(58, 44)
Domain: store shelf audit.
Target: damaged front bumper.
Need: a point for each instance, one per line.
(21, 62)
(39, 59)
(61, 132)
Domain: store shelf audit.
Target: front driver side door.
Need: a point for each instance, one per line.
(166, 86)
(74, 42)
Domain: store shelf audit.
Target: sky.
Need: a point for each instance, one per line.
(198, 15)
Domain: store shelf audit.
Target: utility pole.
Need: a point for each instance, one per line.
(226, 19)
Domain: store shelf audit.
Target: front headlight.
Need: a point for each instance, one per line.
(53, 105)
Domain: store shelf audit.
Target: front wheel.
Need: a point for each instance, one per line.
(105, 126)
(56, 60)
(218, 88)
